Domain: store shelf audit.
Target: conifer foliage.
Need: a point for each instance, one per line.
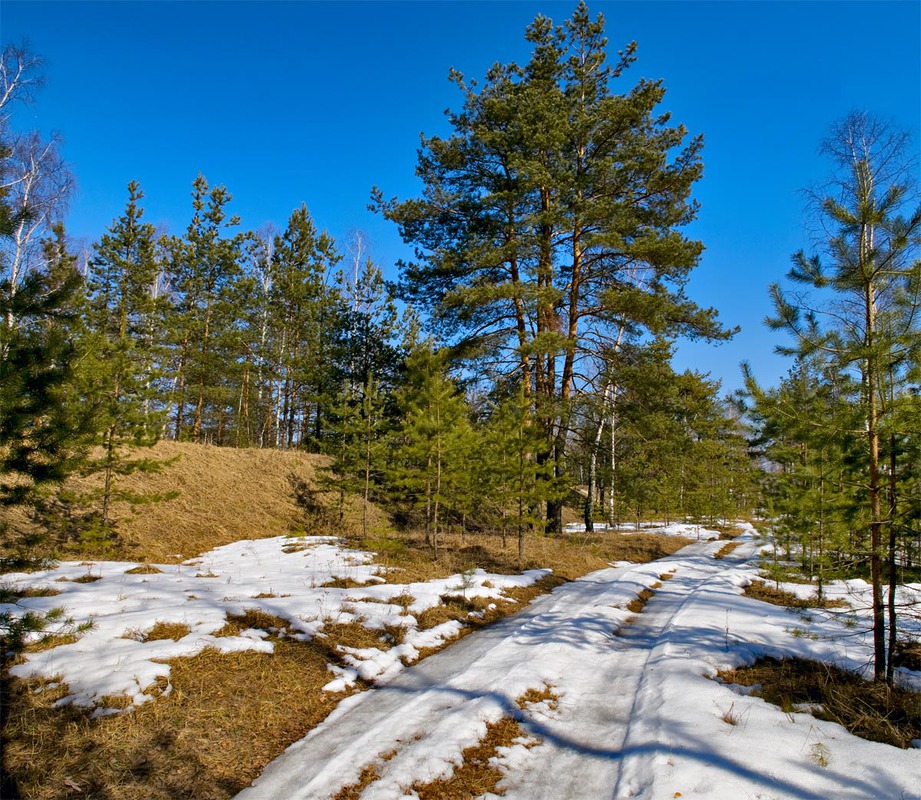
(854, 322)
(550, 255)
(550, 220)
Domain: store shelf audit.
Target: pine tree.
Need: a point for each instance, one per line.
(204, 269)
(359, 429)
(427, 444)
(551, 215)
(305, 314)
(122, 347)
(517, 480)
(806, 428)
(868, 275)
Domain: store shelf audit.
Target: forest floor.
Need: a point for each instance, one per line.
(216, 620)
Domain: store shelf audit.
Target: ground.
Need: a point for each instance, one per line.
(607, 687)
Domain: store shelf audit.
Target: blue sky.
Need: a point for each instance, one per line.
(316, 102)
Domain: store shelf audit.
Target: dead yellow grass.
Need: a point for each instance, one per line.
(410, 559)
(167, 630)
(544, 695)
(638, 603)
(353, 790)
(870, 710)
(475, 776)
(224, 494)
(726, 549)
(759, 590)
(226, 718)
(251, 618)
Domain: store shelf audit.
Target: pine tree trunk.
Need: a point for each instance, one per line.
(876, 521)
(893, 577)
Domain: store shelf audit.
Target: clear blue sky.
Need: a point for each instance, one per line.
(315, 102)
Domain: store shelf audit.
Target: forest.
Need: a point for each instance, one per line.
(518, 374)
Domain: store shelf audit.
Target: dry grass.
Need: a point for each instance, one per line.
(343, 583)
(475, 776)
(410, 559)
(252, 618)
(726, 549)
(638, 603)
(730, 716)
(478, 774)
(353, 790)
(871, 711)
(9, 594)
(47, 641)
(224, 494)
(354, 635)
(143, 569)
(226, 718)
(759, 590)
(167, 630)
(474, 612)
(533, 696)
(88, 578)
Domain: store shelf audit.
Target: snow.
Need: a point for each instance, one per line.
(638, 711)
(281, 576)
(638, 714)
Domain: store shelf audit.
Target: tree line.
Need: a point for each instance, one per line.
(551, 310)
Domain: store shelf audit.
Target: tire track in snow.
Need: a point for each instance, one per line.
(648, 635)
(595, 744)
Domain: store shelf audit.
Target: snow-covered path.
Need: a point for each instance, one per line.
(636, 713)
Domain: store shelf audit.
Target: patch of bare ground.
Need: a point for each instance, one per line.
(252, 618)
(638, 603)
(478, 772)
(759, 590)
(727, 532)
(10, 594)
(353, 791)
(143, 569)
(226, 717)
(160, 630)
(477, 612)
(409, 558)
(726, 549)
(870, 710)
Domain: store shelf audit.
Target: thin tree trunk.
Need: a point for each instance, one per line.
(893, 577)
